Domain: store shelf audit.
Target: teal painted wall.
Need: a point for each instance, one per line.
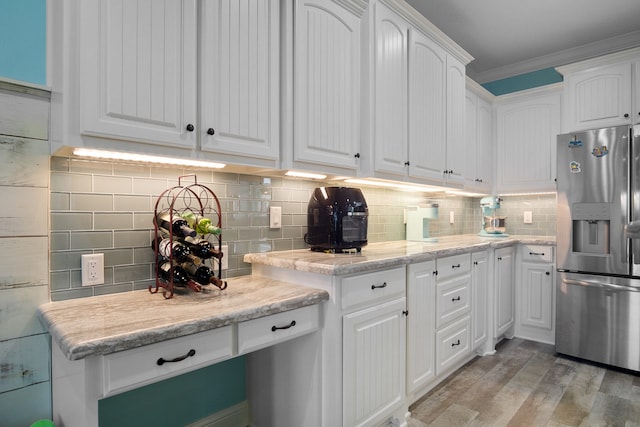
(177, 401)
(23, 40)
(520, 82)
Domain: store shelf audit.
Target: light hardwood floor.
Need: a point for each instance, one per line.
(527, 384)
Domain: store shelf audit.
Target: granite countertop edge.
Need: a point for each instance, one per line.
(118, 330)
(383, 255)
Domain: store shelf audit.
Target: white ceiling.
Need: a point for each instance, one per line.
(511, 37)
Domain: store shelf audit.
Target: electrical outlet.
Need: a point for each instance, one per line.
(225, 257)
(528, 217)
(92, 269)
(452, 217)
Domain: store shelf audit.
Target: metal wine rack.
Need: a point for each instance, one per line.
(176, 202)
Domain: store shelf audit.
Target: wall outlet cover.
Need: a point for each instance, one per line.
(225, 257)
(92, 269)
(528, 217)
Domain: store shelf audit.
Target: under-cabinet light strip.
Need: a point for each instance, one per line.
(132, 157)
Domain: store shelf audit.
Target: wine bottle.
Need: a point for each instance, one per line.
(204, 275)
(176, 225)
(202, 248)
(169, 272)
(175, 249)
(200, 224)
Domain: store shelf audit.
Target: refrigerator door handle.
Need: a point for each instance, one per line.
(632, 230)
(606, 286)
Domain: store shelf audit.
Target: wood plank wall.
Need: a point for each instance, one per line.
(25, 349)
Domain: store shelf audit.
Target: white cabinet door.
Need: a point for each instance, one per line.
(373, 362)
(427, 108)
(504, 291)
(484, 147)
(138, 70)
(479, 293)
(598, 98)
(327, 84)
(390, 92)
(471, 138)
(535, 294)
(526, 142)
(456, 77)
(421, 297)
(239, 82)
(636, 102)
(536, 299)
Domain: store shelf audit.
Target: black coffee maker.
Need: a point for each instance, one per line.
(337, 219)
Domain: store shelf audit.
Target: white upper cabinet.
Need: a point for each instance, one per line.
(419, 89)
(327, 84)
(187, 78)
(390, 124)
(137, 70)
(527, 126)
(456, 78)
(599, 92)
(478, 148)
(239, 96)
(427, 103)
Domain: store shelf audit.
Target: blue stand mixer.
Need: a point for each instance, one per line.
(492, 225)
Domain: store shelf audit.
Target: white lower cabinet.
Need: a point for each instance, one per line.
(421, 305)
(479, 298)
(535, 294)
(453, 307)
(503, 292)
(373, 362)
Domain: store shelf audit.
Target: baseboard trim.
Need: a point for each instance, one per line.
(234, 416)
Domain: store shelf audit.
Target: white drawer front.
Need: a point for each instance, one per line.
(265, 331)
(373, 287)
(452, 344)
(135, 367)
(539, 253)
(453, 299)
(453, 265)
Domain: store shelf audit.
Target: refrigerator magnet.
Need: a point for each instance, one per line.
(574, 167)
(600, 151)
(575, 143)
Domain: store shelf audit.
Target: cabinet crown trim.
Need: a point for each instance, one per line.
(554, 88)
(423, 24)
(625, 55)
(357, 7)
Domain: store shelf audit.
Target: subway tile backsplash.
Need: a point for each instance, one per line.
(106, 207)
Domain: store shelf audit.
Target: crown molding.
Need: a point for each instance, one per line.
(560, 58)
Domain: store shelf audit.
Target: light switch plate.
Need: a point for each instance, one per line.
(275, 217)
(452, 217)
(528, 217)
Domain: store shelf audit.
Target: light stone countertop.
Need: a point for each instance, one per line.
(107, 324)
(383, 255)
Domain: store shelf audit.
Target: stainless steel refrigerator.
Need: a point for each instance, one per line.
(598, 246)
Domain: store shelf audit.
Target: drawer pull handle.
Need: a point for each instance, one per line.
(275, 328)
(536, 253)
(455, 266)
(453, 344)
(162, 361)
(455, 299)
(384, 285)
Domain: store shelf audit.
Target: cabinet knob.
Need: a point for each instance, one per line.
(357, 155)
(626, 115)
(211, 131)
(547, 273)
(190, 127)
(405, 312)
(499, 258)
(406, 163)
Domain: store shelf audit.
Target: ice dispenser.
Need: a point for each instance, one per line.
(418, 218)
(591, 227)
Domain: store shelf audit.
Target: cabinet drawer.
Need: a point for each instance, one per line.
(135, 367)
(453, 265)
(372, 287)
(453, 299)
(265, 331)
(537, 253)
(452, 344)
